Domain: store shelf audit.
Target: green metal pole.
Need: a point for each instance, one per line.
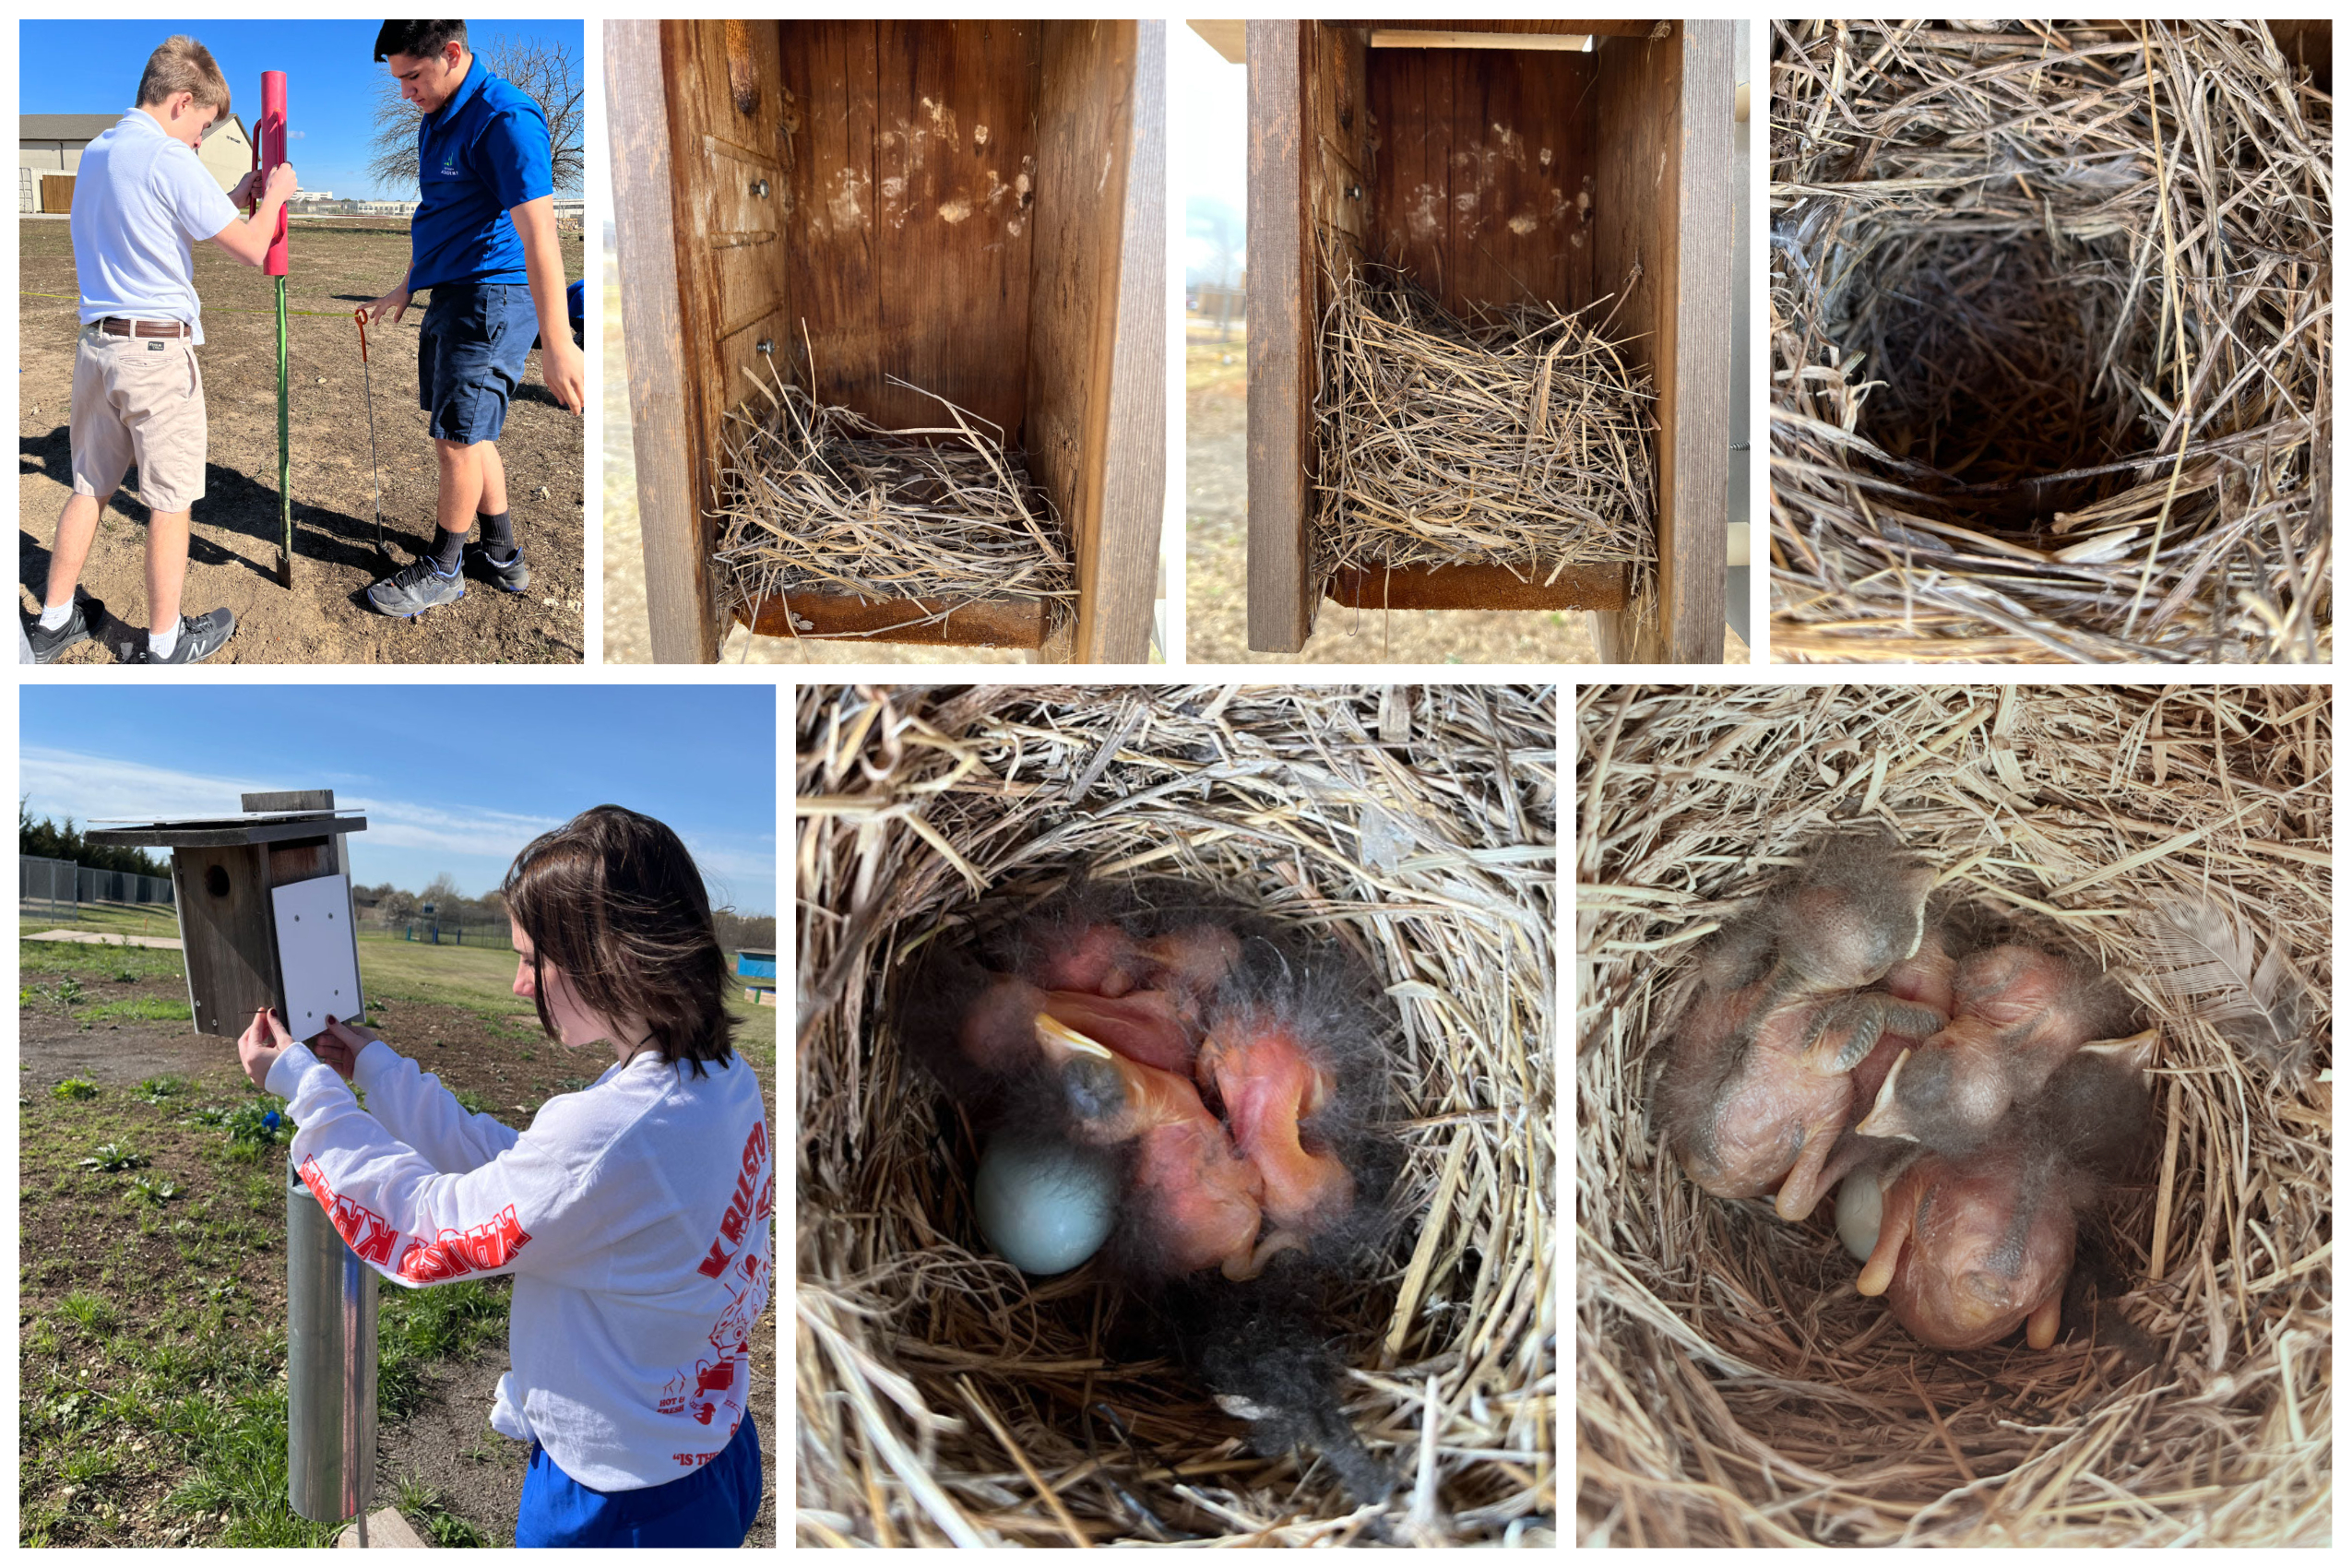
(285, 493)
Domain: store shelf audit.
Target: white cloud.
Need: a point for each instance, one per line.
(401, 833)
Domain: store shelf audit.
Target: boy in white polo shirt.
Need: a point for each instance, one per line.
(141, 200)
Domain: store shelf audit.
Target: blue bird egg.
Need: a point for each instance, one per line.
(1044, 1206)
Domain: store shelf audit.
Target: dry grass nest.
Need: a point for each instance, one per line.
(2051, 323)
(817, 499)
(942, 1397)
(1520, 439)
(1732, 1386)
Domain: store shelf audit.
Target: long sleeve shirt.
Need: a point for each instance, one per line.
(635, 1217)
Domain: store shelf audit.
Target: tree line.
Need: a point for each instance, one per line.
(50, 840)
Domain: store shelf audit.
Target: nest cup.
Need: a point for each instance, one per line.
(1732, 1386)
(2050, 337)
(946, 1399)
(1519, 439)
(817, 499)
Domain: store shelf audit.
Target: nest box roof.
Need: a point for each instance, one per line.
(227, 829)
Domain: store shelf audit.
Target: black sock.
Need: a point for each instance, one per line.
(498, 531)
(446, 546)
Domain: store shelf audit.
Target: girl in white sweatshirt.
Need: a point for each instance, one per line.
(635, 1215)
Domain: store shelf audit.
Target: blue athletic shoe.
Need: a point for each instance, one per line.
(509, 575)
(415, 589)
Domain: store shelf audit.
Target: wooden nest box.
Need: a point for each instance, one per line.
(265, 905)
(826, 191)
(1409, 142)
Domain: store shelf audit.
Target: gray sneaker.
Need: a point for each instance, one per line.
(510, 575)
(47, 645)
(201, 636)
(417, 588)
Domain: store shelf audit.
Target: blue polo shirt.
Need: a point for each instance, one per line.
(480, 154)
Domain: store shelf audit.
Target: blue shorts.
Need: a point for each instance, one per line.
(714, 1506)
(469, 356)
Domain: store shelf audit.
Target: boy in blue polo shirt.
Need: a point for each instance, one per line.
(483, 241)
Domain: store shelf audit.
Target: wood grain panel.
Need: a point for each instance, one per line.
(1281, 338)
(1664, 204)
(663, 429)
(1085, 113)
(1009, 622)
(1478, 588)
(1135, 441)
(231, 945)
(1483, 189)
(913, 180)
(1531, 25)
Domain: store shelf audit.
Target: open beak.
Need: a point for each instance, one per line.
(1061, 1040)
(1885, 1120)
(2132, 1051)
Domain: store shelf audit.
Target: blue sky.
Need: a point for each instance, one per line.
(93, 68)
(451, 778)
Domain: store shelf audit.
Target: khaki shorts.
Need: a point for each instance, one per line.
(139, 399)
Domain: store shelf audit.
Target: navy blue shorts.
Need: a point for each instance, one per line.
(469, 356)
(714, 1506)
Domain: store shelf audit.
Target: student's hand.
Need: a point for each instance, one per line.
(259, 1047)
(243, 194)
(395, 303)
(340, 1045)
(281, 184)
(564, 370)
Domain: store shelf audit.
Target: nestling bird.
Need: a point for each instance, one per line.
(2017, 1012)
(1240, 1075)
(1758, 1087)
(1971, 1245)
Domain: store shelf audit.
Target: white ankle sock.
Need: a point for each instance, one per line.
(160, 644)
(54, 616)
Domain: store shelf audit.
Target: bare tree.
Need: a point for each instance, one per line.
(548, 72)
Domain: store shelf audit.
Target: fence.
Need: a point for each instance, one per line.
(60, 887)
(449, 934)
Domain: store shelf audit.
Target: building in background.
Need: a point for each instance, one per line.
(49, 151)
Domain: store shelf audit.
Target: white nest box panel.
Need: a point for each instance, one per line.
(317, 954)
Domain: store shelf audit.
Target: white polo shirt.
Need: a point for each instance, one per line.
(140, 201)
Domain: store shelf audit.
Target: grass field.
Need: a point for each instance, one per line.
(151, 1266)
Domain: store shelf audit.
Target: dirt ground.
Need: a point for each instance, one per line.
(446, 1443)
(232, 554)
(1216, 535)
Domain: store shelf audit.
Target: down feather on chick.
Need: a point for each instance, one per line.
(2017, 1012)
(1971, 1245)
(1758, 1085)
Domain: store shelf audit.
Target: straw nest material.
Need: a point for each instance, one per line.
(2051, 317)
(1520, 439)
(1732, 1387)
(944, 1399)
(817, 499)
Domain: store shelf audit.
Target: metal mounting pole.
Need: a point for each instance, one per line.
(285, 492)
(270, 147)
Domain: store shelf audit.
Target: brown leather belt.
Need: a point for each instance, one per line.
(117, 326)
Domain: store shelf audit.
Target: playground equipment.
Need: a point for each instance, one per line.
(265, 905)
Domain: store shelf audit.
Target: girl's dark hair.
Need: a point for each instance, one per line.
(613, 901)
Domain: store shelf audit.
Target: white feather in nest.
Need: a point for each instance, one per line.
(2202, 955)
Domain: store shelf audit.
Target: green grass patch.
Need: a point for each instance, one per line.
(416, 1328)
(431, 1516)
(112, 919)
(76, 1088)
(119, 965)
(144, 1009)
